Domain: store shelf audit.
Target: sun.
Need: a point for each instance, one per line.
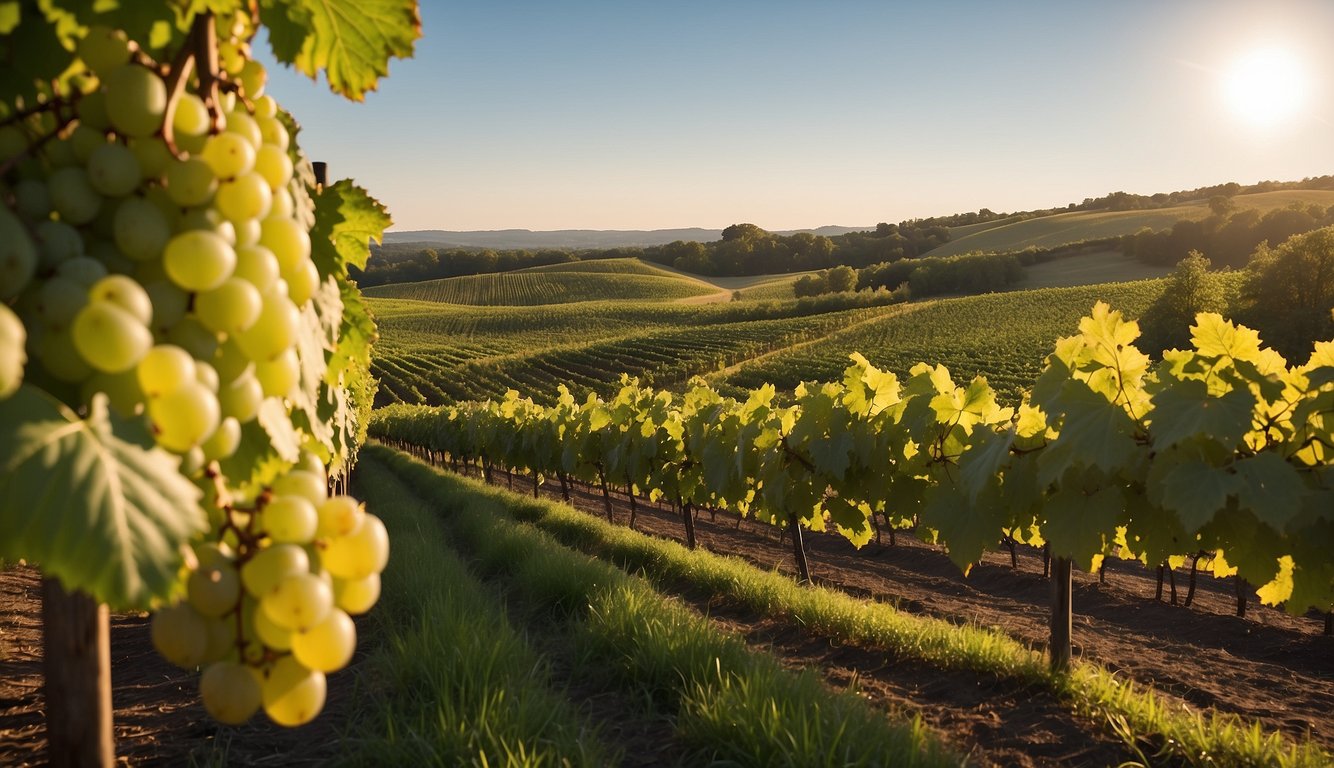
(1265, 87)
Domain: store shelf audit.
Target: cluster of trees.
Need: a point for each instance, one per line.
(1286, 293)
(938, 275)
(746, 249)
(837, 280)
(412, 262)
(1227, 237)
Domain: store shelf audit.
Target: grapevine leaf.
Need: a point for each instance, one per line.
(1184, 409)
(982, 462)
(1215, 337)
(852, 520)
(1196, 490)
(10, 15)
(1078, 523)
(346, 220)
(966, 529)
(1094, 433)
(92, 501)
(1271, 487)
(350, 42)
(1280, 588)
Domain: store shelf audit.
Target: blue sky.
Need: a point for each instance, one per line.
(645, 115)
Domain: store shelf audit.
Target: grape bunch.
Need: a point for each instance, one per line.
(155, 247)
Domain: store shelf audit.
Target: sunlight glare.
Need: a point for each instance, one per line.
(1265, 87)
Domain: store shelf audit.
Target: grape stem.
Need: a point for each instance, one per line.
(13, 162)
(46, 106)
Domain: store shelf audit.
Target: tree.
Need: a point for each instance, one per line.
(1288, 294)
(840, 279)
(1221, 205)
(1190, 290)
(141, 398)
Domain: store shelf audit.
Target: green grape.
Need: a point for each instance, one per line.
(289, 519)
(18, 255)
(274, 331)
(109, 338)
(191, 118)
(212, 554)
(356, 596)
(169, 303)
(253, 77)
(288, 241)
(230, 308)
(57, 354)
(302, 282)
(245, 197)
(190, 182)
(59, 301)
(220, 637)
(240, 399)
(230, 57)
(136, 100)
(360, 553)
(106, 252)
(82, 270)
(311, 486)
(327, 646)
(193, 337)
(292, 694)
(198, 260)
(257, 265)
(184, 417)
(13, 354)
(213, 591)
(32, 199)
(180, 635)
(57, 242)
(271, 634)
(230, 362)
(298, 602)
(271, 566)
(231, 692)
(84, 140)
(274, 166)
(273, 132)
(247, 232)
(12, 141)
(125, 293)
(280, 375)
(242, 124)
(339, 516)
(58, 154)
(229, 155)
(224, 440)
(283, 207)
(206, 375)
(73, 195)
(92, 110)
(152, 155)
(309, 462)
(140, 229)
(113, 170)
(103, 49)
(265, 106)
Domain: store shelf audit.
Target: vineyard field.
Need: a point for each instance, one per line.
(547, 286)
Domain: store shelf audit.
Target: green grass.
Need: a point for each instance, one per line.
(448, 681)
(1148, 723)
(729, 704)
(1002, 336)
(1064, 228)
(1088, 269)
(532, 288)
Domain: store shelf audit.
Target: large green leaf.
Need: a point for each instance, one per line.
(92, 501)
(351, 41)
(346, 221)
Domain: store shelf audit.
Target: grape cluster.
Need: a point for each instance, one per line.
(267, 608)
(152, 245)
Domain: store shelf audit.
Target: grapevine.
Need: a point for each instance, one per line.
(181, 349)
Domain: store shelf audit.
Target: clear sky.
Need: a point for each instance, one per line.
(630, 114)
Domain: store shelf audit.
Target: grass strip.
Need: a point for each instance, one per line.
(450, 682)
(731, 704)
(1136, 714)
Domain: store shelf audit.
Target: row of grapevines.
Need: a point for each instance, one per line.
(1224, 447)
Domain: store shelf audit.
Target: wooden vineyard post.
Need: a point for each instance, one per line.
(76, 663)
(1061, 619)
(689, 519)
(799, 550)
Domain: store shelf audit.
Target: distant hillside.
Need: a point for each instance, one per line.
(576, 239)
(1065, 228)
